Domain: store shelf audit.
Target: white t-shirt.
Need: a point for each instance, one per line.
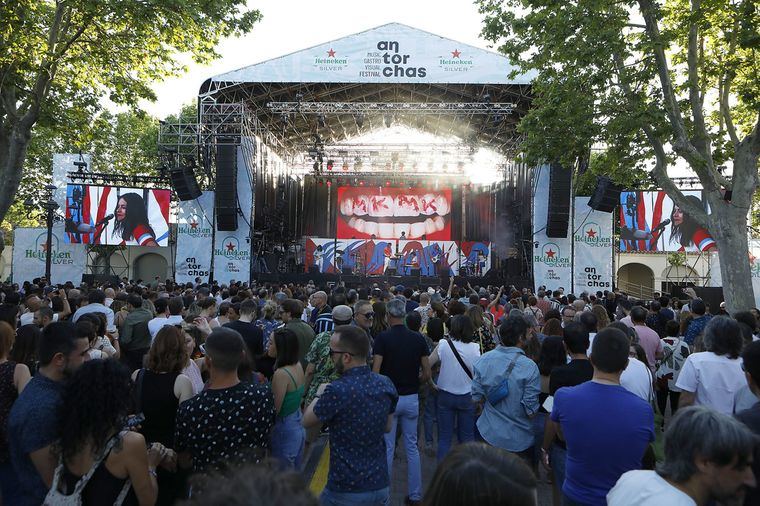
(452, 378)
(591, 336)
(646, 488)
(714, 379)
(637, 379)
(157, 323)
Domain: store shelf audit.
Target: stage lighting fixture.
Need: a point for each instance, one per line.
(321, 120)
(329, 183)
(487, 98)
(330, 164)
(361, 183)
(359, 120)
(299, 97)
(313, 153)
(284, 118)
(315, 166)
(388, 119)
(387, 183)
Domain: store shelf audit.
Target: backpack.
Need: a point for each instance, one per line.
(55, 497)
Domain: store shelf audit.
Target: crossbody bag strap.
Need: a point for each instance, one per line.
(459, 358)
(511, 366)
(82, 482)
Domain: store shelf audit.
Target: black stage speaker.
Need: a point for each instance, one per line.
(225, 201)
(558, 214)
(415, 272)
(606, 195)
(184, 183)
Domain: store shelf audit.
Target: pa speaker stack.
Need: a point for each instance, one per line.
(225, 201)
(184, 183)
(558, 215)
(606, 195)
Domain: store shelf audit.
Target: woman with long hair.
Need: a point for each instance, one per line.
(380, 322)
(116, 465)
(455, 406)
(24, 349)
(685, 230)
(13, 378)
(552, 354)
(602, 318)
(484, 330)
(132, 224)
(288, 382)
(160, 387)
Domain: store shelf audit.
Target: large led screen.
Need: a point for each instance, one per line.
(394, 213)
(114, 215)
(650, 221)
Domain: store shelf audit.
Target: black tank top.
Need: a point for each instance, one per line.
(159, 405)
(103, 487)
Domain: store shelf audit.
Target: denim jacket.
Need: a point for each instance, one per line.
(508, 424)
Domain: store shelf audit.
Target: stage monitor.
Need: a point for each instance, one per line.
(394, 213)
(649, 221)
(113, 215)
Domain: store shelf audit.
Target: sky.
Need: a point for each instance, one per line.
(289, 26)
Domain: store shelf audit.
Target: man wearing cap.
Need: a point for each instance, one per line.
(319, 365)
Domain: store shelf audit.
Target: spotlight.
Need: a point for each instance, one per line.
(388, 120)
(330, 164)
(359, 120)
(321, 120)
(487, 98)
(284, 118)
(361, 183)
(387, 182)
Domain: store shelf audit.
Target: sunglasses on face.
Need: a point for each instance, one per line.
(368, 315)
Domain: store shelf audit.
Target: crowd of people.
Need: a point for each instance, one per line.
(164, 393)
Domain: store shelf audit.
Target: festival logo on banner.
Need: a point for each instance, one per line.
(592, 251)
(456, 62)
(591, 236)
(194, 234)
(389, 61)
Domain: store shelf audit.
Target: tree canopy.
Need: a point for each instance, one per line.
(649, 82)
(60, 59)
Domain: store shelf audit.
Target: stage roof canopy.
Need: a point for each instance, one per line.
(391, 74)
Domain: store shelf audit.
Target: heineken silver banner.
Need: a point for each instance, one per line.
(68, 261)
(592, 249)
(195, 223)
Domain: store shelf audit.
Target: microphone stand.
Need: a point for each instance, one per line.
(100, 231)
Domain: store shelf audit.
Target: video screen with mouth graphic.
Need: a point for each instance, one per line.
(394, 213)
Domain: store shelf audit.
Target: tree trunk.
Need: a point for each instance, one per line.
(11, 165)
(729, 229)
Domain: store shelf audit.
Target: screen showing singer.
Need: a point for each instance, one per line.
(117, 216)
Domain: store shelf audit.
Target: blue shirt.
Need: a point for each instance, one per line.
(507, 425)
(696, 327)
(356, 408)
(33, 425)
(607, 429)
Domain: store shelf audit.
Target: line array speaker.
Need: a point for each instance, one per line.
(225, 199)
(558, 213)
(606, 195)
(184, 183)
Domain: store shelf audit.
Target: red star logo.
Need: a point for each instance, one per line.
(455, 53)
(230, 246)
(590, 232)
(331, 53)
(550, 253)
(194, 225)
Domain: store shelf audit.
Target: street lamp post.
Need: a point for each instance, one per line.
(50, 206)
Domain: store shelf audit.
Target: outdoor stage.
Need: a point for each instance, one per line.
(353, 281)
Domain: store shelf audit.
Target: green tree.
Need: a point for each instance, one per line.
(651, 82)
(60, 58)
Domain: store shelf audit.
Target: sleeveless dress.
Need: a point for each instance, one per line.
(8, 395)
(159, 405)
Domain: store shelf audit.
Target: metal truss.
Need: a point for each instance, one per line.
(390, 107)
(119, 179)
